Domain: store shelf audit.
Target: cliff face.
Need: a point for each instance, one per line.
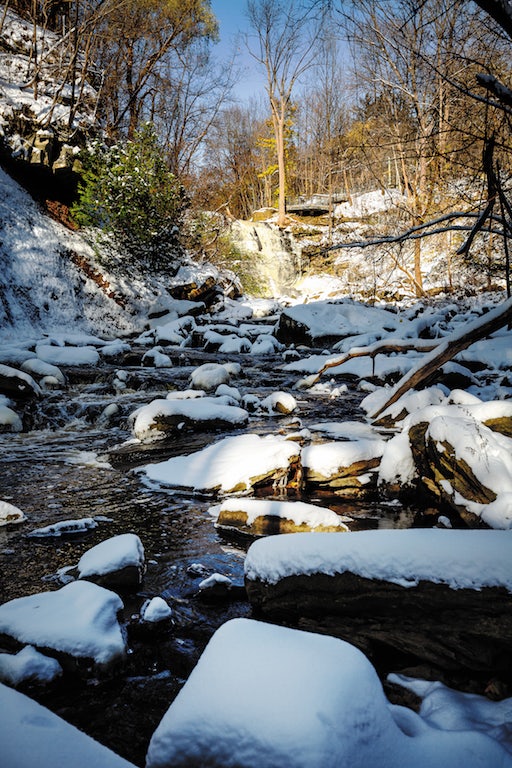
(43, 119)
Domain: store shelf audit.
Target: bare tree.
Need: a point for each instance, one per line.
(134, 41)
(286, 33)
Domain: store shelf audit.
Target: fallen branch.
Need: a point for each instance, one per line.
(447, 350)
(385, 346)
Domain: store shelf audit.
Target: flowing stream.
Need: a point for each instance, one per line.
(75, 463)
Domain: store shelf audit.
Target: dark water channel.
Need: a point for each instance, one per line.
(47, 473)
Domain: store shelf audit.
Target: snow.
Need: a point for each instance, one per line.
(451, 710)
(9, 514)
(199, 410)
(112, 555)
(65, 527)
(67, 355)
(465, 559)
(28, 665)
(327, 459)
(244, 705)
(370, 202)
(298, 511)
(79, 619)
(155, 610)
(227, 465)
(33, 737)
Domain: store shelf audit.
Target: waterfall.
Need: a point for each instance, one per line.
(275, 254)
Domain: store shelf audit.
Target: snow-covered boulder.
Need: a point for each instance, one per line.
(347, 468)
(263, 696)
(163, 417)
(33, 737)
(10, 515)
(232, 465)
(385, 590)
(28, 665)
(325, 322)
(455, 449)
(9, 419)
(68, 355)
(157, 358)
(209, 376)
(259, 517)
(65, 528)
(215, 587)
(467, 465)
(16, 384)
(39, 368)
(80, 620)
(115, 562)
(279, 402)
(155, 611)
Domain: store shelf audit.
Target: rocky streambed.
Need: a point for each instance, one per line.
(71, 465)
(77, 458)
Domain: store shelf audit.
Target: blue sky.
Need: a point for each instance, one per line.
(232, 18)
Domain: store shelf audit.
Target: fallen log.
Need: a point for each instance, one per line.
(447, 349)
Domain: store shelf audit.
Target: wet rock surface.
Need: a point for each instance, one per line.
(458, 634)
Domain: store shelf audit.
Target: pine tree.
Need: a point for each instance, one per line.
(128, 191)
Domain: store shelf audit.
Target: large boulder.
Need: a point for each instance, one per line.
(233, 465)
(17, 385)
(438, 597)
(263, 696)
(117, 562)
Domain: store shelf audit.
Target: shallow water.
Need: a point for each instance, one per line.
(48, 473)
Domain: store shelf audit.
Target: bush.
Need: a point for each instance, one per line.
(128, 191)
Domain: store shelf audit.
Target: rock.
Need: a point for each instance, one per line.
(322, 323)
(10, 515)
(37, 367)
(279, 402)
(458, 630)
(28, 666)
(453, 473)
(347, 468)
(216, 587)
(115, 562)
(207, 293)
(78, 624)
(17, 385)
(162, 418)
(156, 611)
(209, 376)
(233, 465)
(263, 696)
(33, 737)
(261, 517)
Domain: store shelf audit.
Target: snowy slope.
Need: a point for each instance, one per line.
(42, 290)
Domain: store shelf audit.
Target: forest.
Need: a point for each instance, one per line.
(411, 96)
